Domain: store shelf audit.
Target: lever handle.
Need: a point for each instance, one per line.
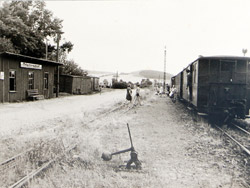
(130, 137)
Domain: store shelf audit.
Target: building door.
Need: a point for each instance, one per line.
(46, 85)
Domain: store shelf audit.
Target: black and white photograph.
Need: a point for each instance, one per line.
(125, 94)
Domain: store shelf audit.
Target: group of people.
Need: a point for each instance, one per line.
(171, 92)
(137, 96)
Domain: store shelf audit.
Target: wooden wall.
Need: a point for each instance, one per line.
(7, 64)
(75, 84)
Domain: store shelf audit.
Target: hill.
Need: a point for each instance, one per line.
(152, 74)
(99, 73)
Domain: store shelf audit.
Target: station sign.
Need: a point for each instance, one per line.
(30, 65)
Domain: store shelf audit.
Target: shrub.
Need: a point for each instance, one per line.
(119, 85)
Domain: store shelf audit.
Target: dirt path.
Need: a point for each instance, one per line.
(175, 148)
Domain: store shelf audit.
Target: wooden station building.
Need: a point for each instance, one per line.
(22, 76)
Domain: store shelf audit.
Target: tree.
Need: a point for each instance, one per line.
(25, 26)
(6, 45)
(72, 68)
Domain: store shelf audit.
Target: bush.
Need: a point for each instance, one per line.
(119, 85)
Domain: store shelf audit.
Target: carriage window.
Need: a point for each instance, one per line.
(241, 66)
(203, 66)
(226, 65)
(214, 66)
(12, 79)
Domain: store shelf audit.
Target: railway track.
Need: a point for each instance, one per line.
(237, 139)
(13, 161)
(240, 128)
(23, 181)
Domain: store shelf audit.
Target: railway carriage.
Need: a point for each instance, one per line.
(218, 86)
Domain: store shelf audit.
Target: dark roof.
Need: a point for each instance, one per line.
(217, 57)
(34, 59)
(223, 57)
(220, 57)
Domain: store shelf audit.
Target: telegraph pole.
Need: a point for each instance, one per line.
(164, 75)
(57, 59)
(46, 48)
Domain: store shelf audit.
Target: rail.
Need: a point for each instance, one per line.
(238, 143)
(36, 172)
(240, 128)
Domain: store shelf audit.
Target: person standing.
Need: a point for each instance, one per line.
(161, 91)
(137, 96)
(157, 90)
(129, 94)
(173, 93)
(168, 89)
(189, 84)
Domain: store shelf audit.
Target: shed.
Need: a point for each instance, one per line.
(75, 84)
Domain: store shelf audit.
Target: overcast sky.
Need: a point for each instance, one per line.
(130, 35)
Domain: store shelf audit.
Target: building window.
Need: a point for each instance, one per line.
(31, 80)
(46, 80)
(12, 77)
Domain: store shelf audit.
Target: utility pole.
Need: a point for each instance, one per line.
(46, 48)
(164, 75)
(57, 60)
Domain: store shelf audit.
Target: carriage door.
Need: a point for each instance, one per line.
(181, 86)
(194, 83)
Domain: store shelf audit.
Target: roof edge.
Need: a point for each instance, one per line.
(29, 57)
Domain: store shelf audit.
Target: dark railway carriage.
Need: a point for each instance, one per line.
(217, 85)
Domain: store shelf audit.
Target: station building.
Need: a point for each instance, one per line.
(20, 75)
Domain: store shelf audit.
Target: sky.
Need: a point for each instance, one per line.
(131, 35)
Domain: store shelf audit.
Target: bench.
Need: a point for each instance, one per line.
(33, 94)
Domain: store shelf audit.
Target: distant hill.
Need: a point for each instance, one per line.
(152, 74)
(99, 73)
